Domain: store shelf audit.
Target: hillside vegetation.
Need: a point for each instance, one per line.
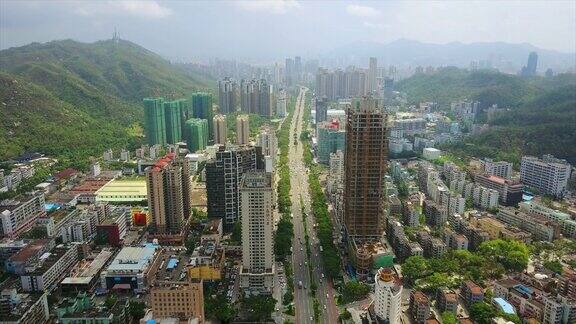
(71, 99)
(541, 118)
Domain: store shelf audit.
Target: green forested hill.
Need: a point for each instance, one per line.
(541, 118)
(73, 99)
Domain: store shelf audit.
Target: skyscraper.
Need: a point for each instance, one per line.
(197, 134)
(202, 108)
(257, 272)
(289, 72)
(268, 141)
(223, 176)
(530, 68)
(387, 296)
(172, 112)
(281, 103)
(255, 97)
(227, 89)
(321, 105)
(366, 165)
(242, 130)
(154, 121)
(220, 129)
(297, 69)
(372, 73)
(165, 196)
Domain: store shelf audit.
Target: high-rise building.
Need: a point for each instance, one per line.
(509, 192)
(202, 108)
(297, 69)
(530, 68)
(257, 272)
(165, 194)
(281, 103)
(289, 72)
(548, 175)
(331, 138)
(197, 134)
(223, 176)
(321, 105)
(242, 130)
(154, 121)
(227, 90)
(220, 130)
(372, 74)
(173, 115)
(268, 142)
(255, 97)
(366, 165)
(387, 296)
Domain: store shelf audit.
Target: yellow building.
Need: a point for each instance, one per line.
(132, 190)
(178, 299)
(207, 262)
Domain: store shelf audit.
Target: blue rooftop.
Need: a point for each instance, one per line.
(504, 306)
(523, 289)
(172, 263)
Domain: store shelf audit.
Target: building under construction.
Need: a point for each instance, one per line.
(366, 164)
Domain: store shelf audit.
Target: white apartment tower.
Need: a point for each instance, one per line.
(267, 140)
(501, 169)
(547, 175)
(242, 130)
(257, 200)
(388, 296)
(220, 129)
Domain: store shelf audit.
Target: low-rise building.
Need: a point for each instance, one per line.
(471, 293)
(129, 269)
(86, 273)
(447, 301)
(207, 261)
(28, 255)
(19, 214)
(49, 269)
(81, 309)
(540, 227)
(419, 307)
(23, 308)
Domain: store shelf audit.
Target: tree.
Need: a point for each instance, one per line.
(482, 313)
(434, 282)
(258, 308)
(190, 243)
(136, 309)
(237, 232)
(554, 266)
(354, 290)
(110, 301)
(415, 267)
(449, 318)
(469, 204)
(512, 255)
(345, 315)
(218, 307)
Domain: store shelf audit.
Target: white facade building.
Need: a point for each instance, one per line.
(547, 175)
(387, 296)
(257, 272)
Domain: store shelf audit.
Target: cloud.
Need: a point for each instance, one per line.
(278, 7)
(149, 9)
(362, 11)
(375, 25)
(142, 9)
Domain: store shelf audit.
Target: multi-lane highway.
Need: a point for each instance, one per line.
(299, 193)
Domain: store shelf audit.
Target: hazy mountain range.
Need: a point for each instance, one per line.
(404, 52)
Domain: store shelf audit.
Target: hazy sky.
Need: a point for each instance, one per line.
(266, 29)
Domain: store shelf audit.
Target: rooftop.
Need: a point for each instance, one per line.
(124, 188)
(85, 271)
(505, 306)
(132, 259)
(30, 250)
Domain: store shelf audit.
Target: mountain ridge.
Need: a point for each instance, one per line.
(68, 83)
